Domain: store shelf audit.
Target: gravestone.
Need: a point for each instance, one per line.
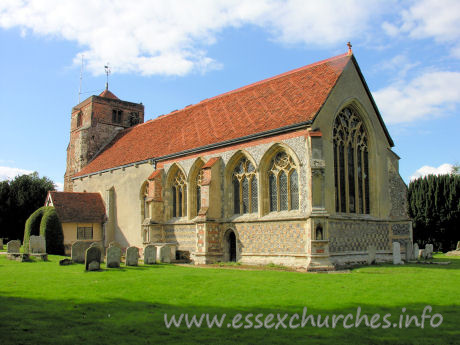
(37, 245)
(132, 256)
(100, 247)
(409, 251)
(150, 254)
(371, 253)
(1, 243)
(396, 253)
(458, 245)
(78, 251)
(113, 257)
(92, 259)
(429, 251)
(165, 254)
(416, 249)
(13, 246)
(421, 254)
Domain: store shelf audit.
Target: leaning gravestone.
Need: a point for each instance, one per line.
(113, 257)
(429, 251)
(416, 249)
(396, 253)
(78, 251)
(132, 256)
(37, 245)
(92, 259)
(165, 254)
(12, 247)
(150, 254)
(371, 253)
(409, 251)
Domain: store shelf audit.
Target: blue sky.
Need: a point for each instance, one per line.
(170, 54)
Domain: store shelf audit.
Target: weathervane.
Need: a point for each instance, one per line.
(349, 48)
(107, 72)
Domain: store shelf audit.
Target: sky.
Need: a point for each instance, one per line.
(169, 54)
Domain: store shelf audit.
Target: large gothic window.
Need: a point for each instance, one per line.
(351, 163)
(179, 195)
(244, 182)
(199, 180)
(283, 183)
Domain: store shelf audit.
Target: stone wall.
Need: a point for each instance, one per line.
(183, 235)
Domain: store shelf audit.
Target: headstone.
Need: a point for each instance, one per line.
(429, 251)
(1, 243)
(13, 246)
(416, 249)
(371, 253)
(421, 254)
(37, 245)
(458, 245)
(165, 254)
(78, 251)
(150, 254)
(101, 248)
(396, 253)
(113, 257)
(409, 251)
(132, 256)
(92, 258)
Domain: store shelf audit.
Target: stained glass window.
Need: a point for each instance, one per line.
(244, 195)
(283, 192)
(351, 163)
(179, 195)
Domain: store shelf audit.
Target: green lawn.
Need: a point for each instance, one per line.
(44, 303)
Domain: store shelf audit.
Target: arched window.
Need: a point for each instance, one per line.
(351, 163)
(199, 180)
(244, 180)
(179, 195)
(283, 183)
(79, 119)
(145, 202)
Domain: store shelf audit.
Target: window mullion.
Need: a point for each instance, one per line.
(345, 162)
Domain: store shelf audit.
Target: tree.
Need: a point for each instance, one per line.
(434, 206)
(18, 199)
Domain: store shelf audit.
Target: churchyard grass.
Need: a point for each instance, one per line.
(44, 303)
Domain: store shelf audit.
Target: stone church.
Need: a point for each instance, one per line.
(295, 170)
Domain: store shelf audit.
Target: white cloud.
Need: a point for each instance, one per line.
(443, 169)
(169, 37)
(432, 19)
(59, 186)
(431, 94)
(8, 173)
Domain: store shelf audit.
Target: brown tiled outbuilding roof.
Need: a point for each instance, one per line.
(287, 99)
(108, 94)
(78, 207)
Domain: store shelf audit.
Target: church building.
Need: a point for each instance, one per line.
(297, 170)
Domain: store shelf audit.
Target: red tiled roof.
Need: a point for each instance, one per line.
(210, 162)
(108, 94)
(287, 99)
(78, 207)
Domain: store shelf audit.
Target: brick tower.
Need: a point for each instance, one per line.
(93, 124)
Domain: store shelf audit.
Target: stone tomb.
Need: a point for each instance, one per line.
(371, 253)
(78, 251)
(37, 245)
(113, 257)
(93, 258)
(397, 253)
(132, 256)
(150, 254)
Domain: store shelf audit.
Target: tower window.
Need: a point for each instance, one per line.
(79, 120)
(117, 116)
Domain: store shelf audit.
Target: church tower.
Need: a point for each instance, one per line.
(93, 124)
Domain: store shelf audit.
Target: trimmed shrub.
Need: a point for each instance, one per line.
(32, 227)
(51, 229)
(45, 222)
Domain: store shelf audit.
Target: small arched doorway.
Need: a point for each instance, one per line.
(230, 246)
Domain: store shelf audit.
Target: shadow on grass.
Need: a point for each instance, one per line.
(120, 321)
